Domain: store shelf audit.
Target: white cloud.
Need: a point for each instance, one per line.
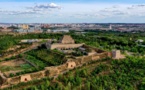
(17, 12)
(41, 7)
(35, 9)
(74, 11)
(112, 11)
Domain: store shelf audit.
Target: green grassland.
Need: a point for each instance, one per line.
(44, 57)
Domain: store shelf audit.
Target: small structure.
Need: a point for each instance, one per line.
(65, 43)
(25, 78)
(71, 65)
(117, 55)
(67, 39)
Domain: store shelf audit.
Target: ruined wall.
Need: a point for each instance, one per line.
(2, 78)
(48, 45)
(86, 59)
(110, 54)
(62, 68)
(17, 52)
(65, 46)
(37, 75)
(97, 50)
(54, 71)
(24, 78)
(78, 61)
(95, 57)
(14, 80)
(103, 55)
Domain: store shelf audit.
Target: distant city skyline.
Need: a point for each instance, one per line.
(72, 11)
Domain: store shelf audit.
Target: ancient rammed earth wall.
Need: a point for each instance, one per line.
(64, 46)
(54, 71)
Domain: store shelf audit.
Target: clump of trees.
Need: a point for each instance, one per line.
(109, 40)
(1, 27)
(40, 64)
(7, 42)
(13, 27)
(51, 58)
(39, 36)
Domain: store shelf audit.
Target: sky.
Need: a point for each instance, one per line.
(72, 11)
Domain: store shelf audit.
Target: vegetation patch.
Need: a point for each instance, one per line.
(50, 58)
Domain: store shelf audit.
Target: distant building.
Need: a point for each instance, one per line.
(110, 27)
(60, 30)
(24, 30)
(20, 31)
(140, 41)
(45, 26)
(48, 31)
(24, 26)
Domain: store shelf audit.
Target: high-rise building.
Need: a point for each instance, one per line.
(110, 27)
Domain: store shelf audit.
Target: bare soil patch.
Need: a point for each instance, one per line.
(13, 63)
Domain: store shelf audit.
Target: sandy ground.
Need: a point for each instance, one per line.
(13, 63)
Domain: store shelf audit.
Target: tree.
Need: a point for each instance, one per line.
(1, 27)
(88, 85)
(13, 27)
(42, 87)
(78, 80)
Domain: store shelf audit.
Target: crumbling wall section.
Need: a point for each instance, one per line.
(14, 80)
(54, 71)
(64, 46)
(96, 49)
(86, 59)
(37, 75)
(25, 78)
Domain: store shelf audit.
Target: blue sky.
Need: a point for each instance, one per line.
(123, 1)
(72, 11)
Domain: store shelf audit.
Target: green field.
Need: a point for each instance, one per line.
(44, 57)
